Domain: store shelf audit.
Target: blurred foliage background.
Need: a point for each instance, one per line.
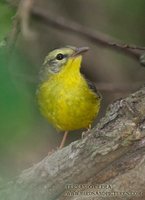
(25, 137)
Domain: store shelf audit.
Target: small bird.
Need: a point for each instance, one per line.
(65, 97)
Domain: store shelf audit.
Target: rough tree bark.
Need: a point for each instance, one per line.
(112, 154)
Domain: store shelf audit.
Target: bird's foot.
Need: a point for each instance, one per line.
(85, 133)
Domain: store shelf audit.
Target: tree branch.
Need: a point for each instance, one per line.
(99, 38)
(94, 36)
(114, 147)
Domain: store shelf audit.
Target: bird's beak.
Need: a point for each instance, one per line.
(80, 51)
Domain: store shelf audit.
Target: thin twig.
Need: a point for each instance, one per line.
(128, 46)
(20, 23)
(25, 8)
(94, 36)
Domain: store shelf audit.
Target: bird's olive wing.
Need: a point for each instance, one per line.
(93, 88)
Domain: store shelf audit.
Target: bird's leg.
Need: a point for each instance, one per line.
(61, 145)
(89, 127)
(84, 133)
(63, 140)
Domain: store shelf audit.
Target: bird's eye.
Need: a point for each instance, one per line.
(60, 56)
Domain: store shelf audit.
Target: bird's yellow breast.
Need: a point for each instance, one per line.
(66, 100)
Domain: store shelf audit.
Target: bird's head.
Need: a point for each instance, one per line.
(59, 58)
